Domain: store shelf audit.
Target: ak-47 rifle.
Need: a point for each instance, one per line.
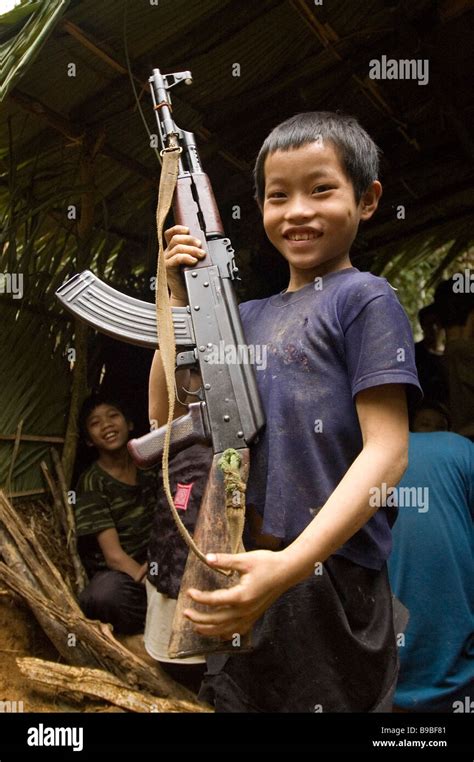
(230, 415)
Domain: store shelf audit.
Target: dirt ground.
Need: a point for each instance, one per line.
(21, 635)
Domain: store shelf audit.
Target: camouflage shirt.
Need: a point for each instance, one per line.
(104, 502)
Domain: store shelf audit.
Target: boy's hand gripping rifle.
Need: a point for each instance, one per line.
(230, 415)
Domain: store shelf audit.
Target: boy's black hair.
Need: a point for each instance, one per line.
(358, 154)
(90, 404)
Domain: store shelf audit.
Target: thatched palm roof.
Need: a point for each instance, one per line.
(73, 141)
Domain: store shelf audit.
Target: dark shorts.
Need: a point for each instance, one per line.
(327, 645)
(113, 597)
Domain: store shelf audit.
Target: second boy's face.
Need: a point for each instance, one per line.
(107, 428)
(310, 213)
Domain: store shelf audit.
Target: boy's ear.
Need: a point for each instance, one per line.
(89, 443)
(370, 200)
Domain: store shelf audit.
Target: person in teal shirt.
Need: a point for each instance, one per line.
(431, 570)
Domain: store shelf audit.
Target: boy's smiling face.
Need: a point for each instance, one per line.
(107, 428)
(309, 212)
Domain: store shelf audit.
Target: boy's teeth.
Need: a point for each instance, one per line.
(301, 237)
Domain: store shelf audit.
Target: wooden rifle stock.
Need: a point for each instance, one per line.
(211, 536)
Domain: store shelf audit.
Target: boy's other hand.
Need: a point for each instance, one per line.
(182, 249)
(262, 581)
(141, 574)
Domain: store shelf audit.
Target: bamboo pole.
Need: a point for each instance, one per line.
(57, 508)
(26, 493)
(78, 393)
(30, 438)
(69, 522)
(16, 448)
(84, 233)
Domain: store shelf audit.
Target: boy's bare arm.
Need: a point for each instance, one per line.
(115, 556)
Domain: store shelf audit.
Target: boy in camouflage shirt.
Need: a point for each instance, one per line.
(114, 514)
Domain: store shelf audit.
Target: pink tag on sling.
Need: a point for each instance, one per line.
(183, 493)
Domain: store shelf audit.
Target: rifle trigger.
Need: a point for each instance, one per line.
(199, 393)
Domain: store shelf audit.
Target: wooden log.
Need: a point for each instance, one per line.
(82, 642)
(102, 685)
(28, 552)
(86, 643)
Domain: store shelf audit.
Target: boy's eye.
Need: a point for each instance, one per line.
(322, 188)
(276, 194)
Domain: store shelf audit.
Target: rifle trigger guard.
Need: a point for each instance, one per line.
(199, 393)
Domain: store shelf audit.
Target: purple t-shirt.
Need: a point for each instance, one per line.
(316, 349)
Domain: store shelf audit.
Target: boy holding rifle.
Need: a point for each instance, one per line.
(340, 364)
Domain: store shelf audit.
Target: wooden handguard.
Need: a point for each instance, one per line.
(185, 209)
